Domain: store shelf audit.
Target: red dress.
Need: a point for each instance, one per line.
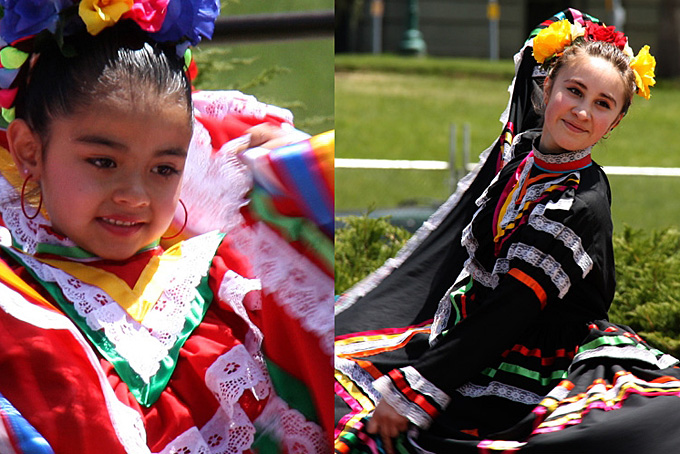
(213, 345)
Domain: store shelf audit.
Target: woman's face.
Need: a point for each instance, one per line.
(110, 175)
(583, 103)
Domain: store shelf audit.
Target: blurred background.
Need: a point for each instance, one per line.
(426, 81)
(279, 51)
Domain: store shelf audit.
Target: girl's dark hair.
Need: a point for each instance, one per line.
(119, 61)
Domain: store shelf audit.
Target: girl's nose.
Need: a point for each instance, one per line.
(131, 191)
(581, 112)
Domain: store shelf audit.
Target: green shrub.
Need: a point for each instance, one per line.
(362, 245)
(648, 286)
(647, 268)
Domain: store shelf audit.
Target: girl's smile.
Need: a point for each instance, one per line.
(110, 174)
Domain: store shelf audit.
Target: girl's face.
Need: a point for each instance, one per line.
(111, 175)
(583, 103)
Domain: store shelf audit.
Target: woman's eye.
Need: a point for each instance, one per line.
(102, 163)
(575, 91)
(165, 171)
(604, 104)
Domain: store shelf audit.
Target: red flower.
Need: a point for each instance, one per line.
(597, 32)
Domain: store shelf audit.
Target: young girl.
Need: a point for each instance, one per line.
(109, 342)
(522, 256)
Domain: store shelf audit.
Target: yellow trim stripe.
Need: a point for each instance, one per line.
(137, 301)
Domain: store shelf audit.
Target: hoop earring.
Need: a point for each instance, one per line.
(186, 218)
(23, 200)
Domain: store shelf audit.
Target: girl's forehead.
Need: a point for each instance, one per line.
(113, 106)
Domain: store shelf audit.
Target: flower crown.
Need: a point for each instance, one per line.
(551, 42)
(175, 22)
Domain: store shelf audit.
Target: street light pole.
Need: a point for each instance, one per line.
(412, 42)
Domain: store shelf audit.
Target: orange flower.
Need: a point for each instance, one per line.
(99, 14)
(643, 65)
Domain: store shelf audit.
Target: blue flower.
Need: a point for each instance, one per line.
(24, 18)
(189, 20)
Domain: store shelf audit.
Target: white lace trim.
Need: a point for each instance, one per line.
(223, 434)
(564, 234)
(126, 422)
(304, 291)
(26, 232)
(502, 390)
(232, 292)
(543, 261)
(214, 185)
(404, 407)
(359, 377)
(235, 372)
(295, 434)
(220, 103)
(562, 158)
(424, 386)
(629, 352)
(145, 345)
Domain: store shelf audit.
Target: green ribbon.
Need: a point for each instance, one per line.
(294, 229)
(145, 393)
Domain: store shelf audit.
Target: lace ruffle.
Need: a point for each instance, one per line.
(299, 287)
(145, 345)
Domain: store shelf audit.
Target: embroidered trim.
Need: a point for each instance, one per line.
(291, 429)
(501, 390)
(562, 162)
(301, 289)
(359, 377)
(564, 234)
(543, 261)
(417, 415)
(628, 352)
(423, 386)
(142, 347)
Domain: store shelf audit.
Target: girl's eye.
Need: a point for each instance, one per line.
(102, 163)
(575, 91)
(604, 104)
(165, 170)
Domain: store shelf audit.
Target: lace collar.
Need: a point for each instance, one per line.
(561, 162)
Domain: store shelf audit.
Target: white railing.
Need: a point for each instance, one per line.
(402, 164)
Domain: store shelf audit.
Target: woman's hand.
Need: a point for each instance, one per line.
(388, 423)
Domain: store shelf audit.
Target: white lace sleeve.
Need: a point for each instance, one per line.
(215, 180)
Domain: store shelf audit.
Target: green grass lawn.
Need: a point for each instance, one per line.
(398, 108)
(295, 74)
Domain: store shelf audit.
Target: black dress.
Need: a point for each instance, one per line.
(489, 329)
(539, 269)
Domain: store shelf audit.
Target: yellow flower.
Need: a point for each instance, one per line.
(643, 65)
(99, 14)
(552, 39)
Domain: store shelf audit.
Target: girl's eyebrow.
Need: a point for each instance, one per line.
(94, 139)
(584, 87)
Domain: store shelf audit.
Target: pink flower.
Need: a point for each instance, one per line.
(149, 14)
